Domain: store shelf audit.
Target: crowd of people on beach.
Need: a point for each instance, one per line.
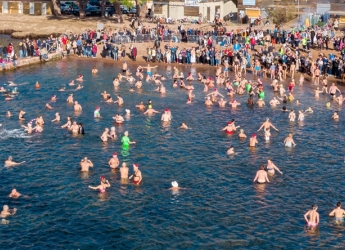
(266, 62)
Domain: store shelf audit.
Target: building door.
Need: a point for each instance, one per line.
(208, 14)
(218, 10)
(176, 12)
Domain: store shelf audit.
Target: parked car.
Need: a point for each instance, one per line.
(110, 10)
(133, 10)
(64, 8)
(124, 9)
(93, 11)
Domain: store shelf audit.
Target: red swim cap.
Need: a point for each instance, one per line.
(115, 154)
(253, 135)
(136, 165)
(166, 110)
(102, 177)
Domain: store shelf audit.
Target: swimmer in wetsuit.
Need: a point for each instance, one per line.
(103, 186)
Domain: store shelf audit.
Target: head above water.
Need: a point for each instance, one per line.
(174, 184)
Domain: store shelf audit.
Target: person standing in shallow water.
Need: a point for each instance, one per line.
(338, 213)
(261, 176)
(114, 163)
(126, 141)
(314, 218)
(137, 177)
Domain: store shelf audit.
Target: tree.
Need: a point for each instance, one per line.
(281, 15)
(82, 6)
(103, 3)
(56, 8)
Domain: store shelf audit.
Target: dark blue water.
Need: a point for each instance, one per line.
(221, 207)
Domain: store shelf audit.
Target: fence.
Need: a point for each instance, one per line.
(151, 38)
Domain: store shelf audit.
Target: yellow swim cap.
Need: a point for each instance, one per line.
(328, 104)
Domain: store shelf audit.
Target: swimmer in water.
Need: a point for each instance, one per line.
(48, 106)
(29, 128)
(230, 128)
(119, 100)
(8, 114)
(260, 103)
(253, 141)
(125, 140)
(137, 177)
(113, 133)
(222, 103)
(124, 172)
(62, 88)
(140, 105)
(85, 164)
(289, 142)
(77, 107)
(340, 99)
(80, 78)
(70, 98)
(21, 115)
(261, 176)
(300, 116)
(292, 115)
(103, 186)
(175, 187)
(10, 83)
(150, 111)
(267, 125)
(53, 98)
(79, 87)
(68, 124)
(14, 194)
(37, 85)
(271, 167)
(241, 135)
(231, 151)
(57, 117)
(267, 135)
(208, 102)
(274, 102)
(333, 90)
(74, 128)
(6, 211)
(94, 70)
(335, 115)
(96, 113)
(71, 83)
(81, 129)
(118, 119)
(114, 163)
(10, 163)
(338, 213)
(309, 110)
(104, 137)
(314, 218)
(183, 126)
(166, 117)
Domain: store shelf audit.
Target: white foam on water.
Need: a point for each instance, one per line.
(15, 133)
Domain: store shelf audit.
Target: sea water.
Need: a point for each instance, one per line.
(220, 208)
